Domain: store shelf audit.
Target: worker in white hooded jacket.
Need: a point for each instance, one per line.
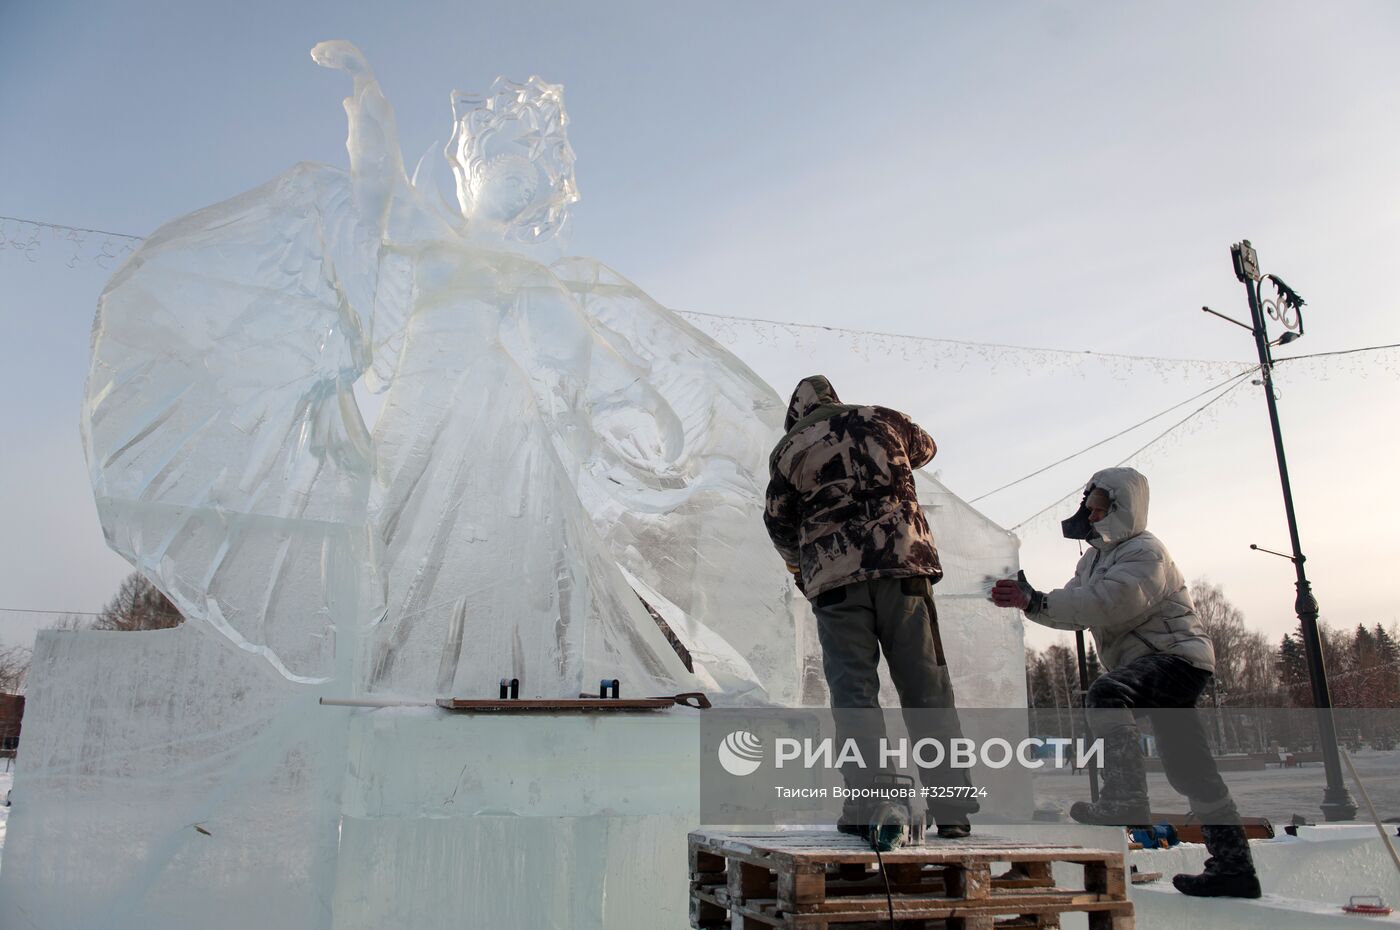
(1130, 595)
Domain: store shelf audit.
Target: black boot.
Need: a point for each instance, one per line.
(854, 819)
(951, 820)
(1123, 801)
(1229, 872)
(1109, 812)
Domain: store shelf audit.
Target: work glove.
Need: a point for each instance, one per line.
(1018, 593)
(796, 578)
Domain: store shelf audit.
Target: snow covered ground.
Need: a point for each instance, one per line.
(1274, 792)
(6, 779)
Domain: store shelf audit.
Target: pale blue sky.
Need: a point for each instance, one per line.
(1052, 174)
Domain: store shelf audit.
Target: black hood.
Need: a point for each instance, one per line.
(812, 392)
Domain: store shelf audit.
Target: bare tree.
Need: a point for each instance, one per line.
(1257, 678)
(70, 622)
(14, 666)
(138, 605)
(1224, 623)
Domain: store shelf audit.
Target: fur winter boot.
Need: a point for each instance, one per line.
(1123, 801)
(1229, 872)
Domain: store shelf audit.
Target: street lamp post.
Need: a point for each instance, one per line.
(1286, 308)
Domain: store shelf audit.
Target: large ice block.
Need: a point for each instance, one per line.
(521, 821)
(166, 782)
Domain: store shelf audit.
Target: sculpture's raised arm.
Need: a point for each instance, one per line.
(376, 162)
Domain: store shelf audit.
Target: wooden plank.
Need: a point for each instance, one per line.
(969, 880)
(704, 863)
(1025, 914)
(1188, 828)
(1106, 877)
(813, 841)
(1040, 872)
(824, 847)
(835, 838)
(553, 705)
(1118, 920)
(937, 906)
(972, 922)
(798, 891)
(749, 881)
(706, 915)
(766, 910)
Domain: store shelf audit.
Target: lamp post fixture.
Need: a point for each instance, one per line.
(1286, 308)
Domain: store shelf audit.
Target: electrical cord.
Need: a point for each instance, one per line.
(1121, 432)
(889, 895)
(59, 613)
(1294, 358)
(1238, 380)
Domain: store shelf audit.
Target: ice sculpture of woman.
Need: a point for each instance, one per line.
(546, 428)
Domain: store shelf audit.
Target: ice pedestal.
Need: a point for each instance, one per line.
(536, 821)
(166, 782)
(498, 871)
(1160, 907)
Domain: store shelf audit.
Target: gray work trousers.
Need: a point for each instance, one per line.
(855, 623)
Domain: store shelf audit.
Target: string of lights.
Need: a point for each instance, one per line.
(67, 233)
(936, 340)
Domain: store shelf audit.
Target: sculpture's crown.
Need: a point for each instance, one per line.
(512, 159)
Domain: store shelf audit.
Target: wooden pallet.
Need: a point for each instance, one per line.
(821, 880)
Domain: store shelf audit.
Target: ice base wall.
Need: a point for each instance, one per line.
(167, 782)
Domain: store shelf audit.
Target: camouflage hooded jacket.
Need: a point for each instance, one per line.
(841, 503)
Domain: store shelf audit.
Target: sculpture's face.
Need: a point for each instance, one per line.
(512, 159)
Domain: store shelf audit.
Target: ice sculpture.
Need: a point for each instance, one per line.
(554, 447)
(231, 464)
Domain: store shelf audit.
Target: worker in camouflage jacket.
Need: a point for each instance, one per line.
(843, 513)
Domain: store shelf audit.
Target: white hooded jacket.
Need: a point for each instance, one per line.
(1126, 589)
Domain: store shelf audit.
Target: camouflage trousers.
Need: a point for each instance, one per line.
(1165, 689)
(896, 616)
